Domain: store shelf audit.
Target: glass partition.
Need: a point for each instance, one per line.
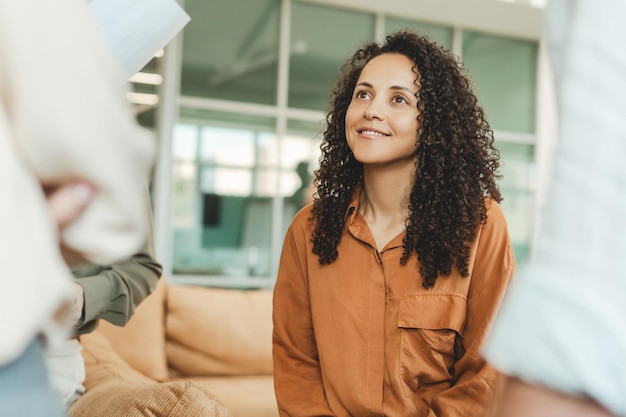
(505, 73)
(322, 38)
(517, 166)
(225, 176)
(440, 34)
(228, 175)
(231, 53)
(305, 138)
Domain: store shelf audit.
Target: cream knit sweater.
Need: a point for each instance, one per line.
(63, 116)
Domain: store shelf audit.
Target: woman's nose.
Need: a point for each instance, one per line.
(373, 111)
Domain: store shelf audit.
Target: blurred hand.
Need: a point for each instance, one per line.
(79, 302)
(66, 203)
(520, 399)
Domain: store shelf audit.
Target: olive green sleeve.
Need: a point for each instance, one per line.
(113, 292)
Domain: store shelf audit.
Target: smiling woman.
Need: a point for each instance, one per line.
(404, 251)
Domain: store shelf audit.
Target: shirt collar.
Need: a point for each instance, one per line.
(353, 207)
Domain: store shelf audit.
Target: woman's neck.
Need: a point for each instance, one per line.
(384, 203)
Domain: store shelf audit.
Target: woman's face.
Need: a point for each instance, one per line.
(381, 121)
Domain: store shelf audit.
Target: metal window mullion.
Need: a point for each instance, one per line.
(282, 96)
(167, 114)
(457, 42)
(379, 26)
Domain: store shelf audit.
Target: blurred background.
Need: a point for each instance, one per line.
(237, 102)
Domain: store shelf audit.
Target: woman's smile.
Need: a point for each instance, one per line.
(369, 132)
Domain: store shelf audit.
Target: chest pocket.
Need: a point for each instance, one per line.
(430, 327)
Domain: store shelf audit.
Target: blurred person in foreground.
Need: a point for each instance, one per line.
(561, 334)
(63, 119)
(102, 292)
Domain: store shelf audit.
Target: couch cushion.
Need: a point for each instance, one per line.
(213, 331)
(103, 364)
(141, 342)
(115, 389)
(257, 390)
(149, 399)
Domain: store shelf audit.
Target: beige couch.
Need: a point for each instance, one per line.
(187, 351)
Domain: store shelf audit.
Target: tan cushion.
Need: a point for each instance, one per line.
(103, 364)
(127, 399)
(213, 331)
(257, 390)
(141, 342)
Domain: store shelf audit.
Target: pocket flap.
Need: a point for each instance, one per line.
(433, 311)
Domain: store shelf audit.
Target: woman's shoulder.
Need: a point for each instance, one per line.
(493, 249)
(495, 224)
(494, 211)
(303, 219)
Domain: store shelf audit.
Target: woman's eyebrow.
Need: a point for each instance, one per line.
(393, 87)
(406, 89)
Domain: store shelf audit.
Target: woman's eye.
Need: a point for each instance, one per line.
(399, 100)
(361, 94)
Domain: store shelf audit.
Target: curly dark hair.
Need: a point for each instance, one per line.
(456, 161)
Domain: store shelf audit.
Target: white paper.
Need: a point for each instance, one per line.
(138, 29)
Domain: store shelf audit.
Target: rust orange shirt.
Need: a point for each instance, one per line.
(362, 337)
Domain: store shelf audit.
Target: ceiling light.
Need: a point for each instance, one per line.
(142, 98)
(146, 78)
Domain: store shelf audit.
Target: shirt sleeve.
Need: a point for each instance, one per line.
(297, 373)
(563, 323)
(115, 292)
(475, 381)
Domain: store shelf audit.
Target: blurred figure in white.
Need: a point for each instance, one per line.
(63, 120)
(561, 334)
(135, 31)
